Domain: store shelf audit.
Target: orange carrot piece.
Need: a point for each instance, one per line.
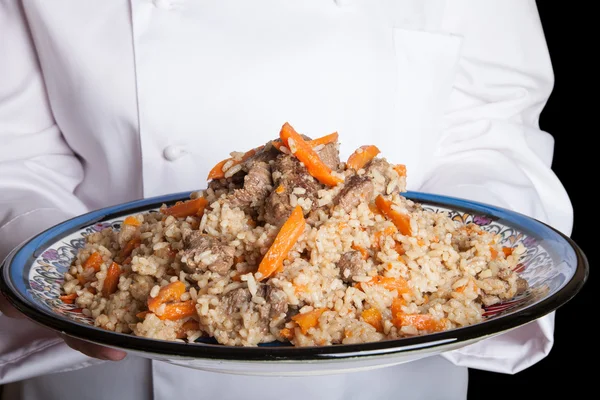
(424, 322)
(397, 304)
(363, 252)
(284, 242)
(327, 139)
(280, 189)
(402, 221)
(494, 253)
(167, 293)
(389, 283)
(187, 208)
(308, 320)
(362, 156)
(217, 171)
(68, 298)
(142, 314)
(287, 333)
(507, 251)
(82, 279)
(331, 138)
(305, 153)
(112, 279)
(179, 310)
(399, 248)
(93, 261)
(131, 220)
(130, 246)
(189, 325)
(400, 169)
(372, 316)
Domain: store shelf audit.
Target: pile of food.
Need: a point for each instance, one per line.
(289, 243)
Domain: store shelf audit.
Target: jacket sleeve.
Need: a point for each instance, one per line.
(492, 149)
(38, 175)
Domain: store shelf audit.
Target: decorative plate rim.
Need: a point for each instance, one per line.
(29, 250)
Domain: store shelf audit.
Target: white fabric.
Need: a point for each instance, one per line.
(105, 102)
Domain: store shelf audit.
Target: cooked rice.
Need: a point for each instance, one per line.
(449, 270)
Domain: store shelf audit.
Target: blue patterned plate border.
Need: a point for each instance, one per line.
(553, 264)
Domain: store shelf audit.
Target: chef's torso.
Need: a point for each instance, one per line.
(151, 94)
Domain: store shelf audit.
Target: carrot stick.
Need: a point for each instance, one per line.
(372, 316)
(112, 280)
(362, 156)
(170, 292)
(217, 171)
(507, 251)
(93, 261)
(131, 220)
(68, 298)
(327, 139)
(284, 242)
(305, 153)
(424, 322)
(400, 169)
(187, 208)
(402, 221)
(179, 310)
(130, 246)
(398, 284)
(308, 320)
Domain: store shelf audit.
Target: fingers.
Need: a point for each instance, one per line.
(7, 309)
(94, 350)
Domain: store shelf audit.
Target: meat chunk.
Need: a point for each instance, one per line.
(238, 300)
(202, 252)
(278, 302)
(383, 174)
(351, 264)
(288, 173)
(356, 190)
(330, 155)
(267, 154)
(257, 185)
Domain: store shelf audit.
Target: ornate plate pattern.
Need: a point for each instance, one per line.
(553, 264)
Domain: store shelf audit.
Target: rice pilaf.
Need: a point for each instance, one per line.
(288, 243)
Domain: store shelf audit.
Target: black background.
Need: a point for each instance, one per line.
(570, 119)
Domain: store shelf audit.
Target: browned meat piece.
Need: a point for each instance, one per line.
(357, 189)
(227, 184)
(277, 300)
(522, 285)
(267, 154)
(351, 264)
(289, 173)
(330, 156)
(257, 185)
(275, 303)
(238, 300)
(377, 165)
(202, 252)
(382, 173)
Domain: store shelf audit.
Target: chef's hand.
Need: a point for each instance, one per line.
(89, 349)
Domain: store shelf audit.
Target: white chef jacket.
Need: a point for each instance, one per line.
(103, 102)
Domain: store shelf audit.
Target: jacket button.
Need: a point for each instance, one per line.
(172, 153)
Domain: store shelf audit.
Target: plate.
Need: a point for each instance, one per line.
(554, 266)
